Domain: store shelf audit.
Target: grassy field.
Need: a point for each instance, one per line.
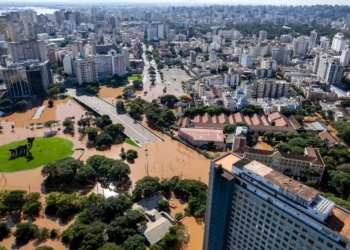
(44, 150)
(131, 142)
(135, 77)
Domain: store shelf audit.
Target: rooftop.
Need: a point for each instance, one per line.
(204, 134)
(340, 221)
(227, 160)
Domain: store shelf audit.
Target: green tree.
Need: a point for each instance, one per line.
(163, 205)
(50, 103)
(231, 128)
(114, 130)
(168, 100)
(104, 140)
(120, 105)
(146, 187)
(298, 142)
(285, 111)
(44, 248)
(14, 200)
(21, 105)
(6, 103)
(86, 175)
(297, 150)
(68, 124)
(135, 110)
(131, 155)
(49, 123)
(178, 216)
(292, 134)
(283, 147)
(25, 232)
(135, 242)
(110, 246)
(269, 135)
(137, 84)
(5, 230)
(344, 168)
(92, 133)
(32, 206)
(103, 121)
(84, 122)
(279, 136)
(62, 171)
(340, 181)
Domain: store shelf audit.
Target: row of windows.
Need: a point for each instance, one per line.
(256, 222)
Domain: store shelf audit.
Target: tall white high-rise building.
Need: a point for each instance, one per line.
(247, 60)
(86, 70)
(301, 45)
(338, 42)
(252, 206)
(345, 57)
(126, 55)
(324, 43)
(262, 35)
(329, 69)
(125, 38)
(68, 63)
(160, 31)
(314, 37)
(118, 65)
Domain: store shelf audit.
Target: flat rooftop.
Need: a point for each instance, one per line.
(303, 191)
(227, 160)
(340, 222)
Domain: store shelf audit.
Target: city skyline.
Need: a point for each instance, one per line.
(195, 2)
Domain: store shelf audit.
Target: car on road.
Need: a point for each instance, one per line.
(137, 141)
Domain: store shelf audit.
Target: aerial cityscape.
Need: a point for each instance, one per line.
(168, 126)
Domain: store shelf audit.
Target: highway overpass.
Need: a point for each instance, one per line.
(133, 129)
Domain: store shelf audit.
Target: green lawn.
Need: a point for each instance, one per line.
(44, 150)
(131, 142)
(135, 77)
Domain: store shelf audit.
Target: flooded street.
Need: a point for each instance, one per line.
(161, 158)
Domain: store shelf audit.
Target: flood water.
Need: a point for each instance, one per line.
(161, 158)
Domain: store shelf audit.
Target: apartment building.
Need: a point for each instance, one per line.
(304, 167)
(27, 50)
(338, 42)
(252, 206)
(26, 79)
(269, 88)
(118, 64)
(86, 70)
(328, 68)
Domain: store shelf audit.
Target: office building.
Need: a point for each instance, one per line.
(27, 50)
(252, 206)
(338, 42)
(113, 21)
(262, 35)
(345, 57)
(86, 70)
(16, 31)
(26, 79)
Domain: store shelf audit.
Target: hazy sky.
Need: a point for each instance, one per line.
(186, 2)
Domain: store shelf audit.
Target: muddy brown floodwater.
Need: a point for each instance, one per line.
(163, 159)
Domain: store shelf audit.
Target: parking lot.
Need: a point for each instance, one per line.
(174, 87)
